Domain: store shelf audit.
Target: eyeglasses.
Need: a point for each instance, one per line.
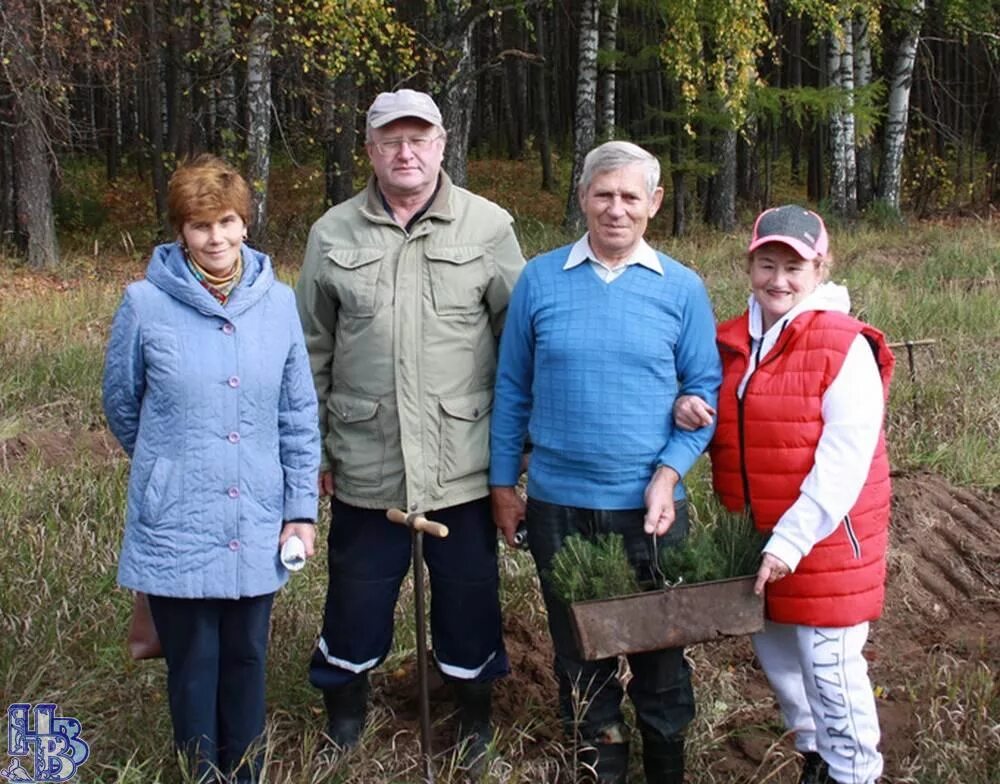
(415, 143)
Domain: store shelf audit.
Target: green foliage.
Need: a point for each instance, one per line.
(595, 568)
(728, 547)
(598, 568)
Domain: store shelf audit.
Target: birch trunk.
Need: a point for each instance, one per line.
(891, 171)
(259, 117)
(862, 79)
(584, 120)
(606, 88)
(452, 29)
(843, 167)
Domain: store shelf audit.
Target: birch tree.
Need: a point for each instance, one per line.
(862, 83)
(843, 164)
(259, 115)
(584, 118)
(890, 172)
(607, 58)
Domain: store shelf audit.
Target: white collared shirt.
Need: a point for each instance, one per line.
(643, 254)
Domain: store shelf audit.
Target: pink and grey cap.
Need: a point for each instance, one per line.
(800, 229)
(388, 107)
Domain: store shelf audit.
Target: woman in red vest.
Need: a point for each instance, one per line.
(800, 445)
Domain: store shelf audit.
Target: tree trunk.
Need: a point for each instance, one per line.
(226, 110)
(8, 193)
(891, 170)
(843, 168)
(30, 139)
(341, 137)
(606, 87)
(862, 79)
(154, 116)
(542, 75)
(452, 31)
(584, 120)
(34, 184)
(259, 117)
(721, 210)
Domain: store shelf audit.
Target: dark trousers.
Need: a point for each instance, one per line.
(370, 556)
(590, 693)
(216, 653)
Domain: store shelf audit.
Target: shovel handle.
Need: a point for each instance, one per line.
(418, 523)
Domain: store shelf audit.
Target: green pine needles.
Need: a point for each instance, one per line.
(599, 568)
(593, 569)
(729, 548)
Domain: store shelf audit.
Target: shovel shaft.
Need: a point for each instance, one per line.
(422, 685)
(418, 523)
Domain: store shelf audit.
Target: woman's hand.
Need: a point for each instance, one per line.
(692, 413)
(305, 531)
(771, 570)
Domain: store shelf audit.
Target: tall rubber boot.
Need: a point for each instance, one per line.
(663, 759)
(346, 708)
(605, 763)
(475, 733)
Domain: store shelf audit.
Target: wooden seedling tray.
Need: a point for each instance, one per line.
(670, 618)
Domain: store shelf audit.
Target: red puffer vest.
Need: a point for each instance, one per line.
(765, 445)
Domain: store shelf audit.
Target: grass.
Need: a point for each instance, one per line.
(63, 621)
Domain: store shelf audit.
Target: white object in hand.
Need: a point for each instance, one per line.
(293, 554)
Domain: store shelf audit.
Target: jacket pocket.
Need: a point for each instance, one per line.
(465, 435)
(357, 443)
(459, 278)
(354, 276)
(154, 497)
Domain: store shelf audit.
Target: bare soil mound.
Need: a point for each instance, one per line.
(57, 448)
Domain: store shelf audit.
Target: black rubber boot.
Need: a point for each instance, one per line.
(663, 759)
(605, 763)
(815, 770)
(346, 707)
(475, 701)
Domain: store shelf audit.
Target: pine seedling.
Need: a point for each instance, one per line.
(593, 569)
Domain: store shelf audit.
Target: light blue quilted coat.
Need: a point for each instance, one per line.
(216, 407)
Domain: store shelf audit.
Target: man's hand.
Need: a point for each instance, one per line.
(771, 570)
(660, 501)
(692, 413)
(508, 511)
(326, 486)
(305, 531)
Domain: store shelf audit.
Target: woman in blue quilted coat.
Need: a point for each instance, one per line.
(207, 387)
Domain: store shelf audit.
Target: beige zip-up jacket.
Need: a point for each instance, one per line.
(402, 337)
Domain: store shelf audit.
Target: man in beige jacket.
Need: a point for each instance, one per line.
(402, 295)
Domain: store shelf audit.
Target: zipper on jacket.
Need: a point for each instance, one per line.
(740, 414)
(852, 537)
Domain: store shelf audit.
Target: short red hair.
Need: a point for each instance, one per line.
(206, 186)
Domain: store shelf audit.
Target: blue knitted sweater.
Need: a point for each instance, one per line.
(591, 370)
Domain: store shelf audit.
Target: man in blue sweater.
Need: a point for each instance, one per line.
(601, 336)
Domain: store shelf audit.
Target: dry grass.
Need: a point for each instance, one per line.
(62, 620)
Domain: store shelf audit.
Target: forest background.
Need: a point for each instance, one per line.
(747, 104)
(868, 105)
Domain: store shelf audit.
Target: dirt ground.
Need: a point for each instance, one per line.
(943, 594)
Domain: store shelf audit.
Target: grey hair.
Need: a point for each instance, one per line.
(611, 156)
